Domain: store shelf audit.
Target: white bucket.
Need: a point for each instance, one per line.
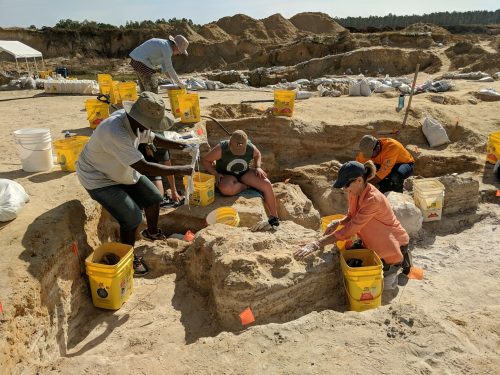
(35, 149)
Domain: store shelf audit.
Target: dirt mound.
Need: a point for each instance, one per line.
(279, 27)
(183, 28)
(243, 26)
(316, 22)
(425, 28)
(467, 54)
(213, 32)
(227, 111)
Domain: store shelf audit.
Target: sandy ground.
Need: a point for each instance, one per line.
(447, 323)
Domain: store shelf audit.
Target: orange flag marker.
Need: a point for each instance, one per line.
(416, 273)
(188, 236)
(200, 131)
(1, 307)
(246, 316)
(498, 193)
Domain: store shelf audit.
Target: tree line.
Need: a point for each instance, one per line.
(476, 17)
(129, 25)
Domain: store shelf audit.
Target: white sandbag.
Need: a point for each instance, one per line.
(406, 212)
(355, 88)
(364, 88)
(486, 79)
(71, 86)
(303, 95)
(12, 199)
(29, 84)
(434, 132)
(382, 88)
(404, 89)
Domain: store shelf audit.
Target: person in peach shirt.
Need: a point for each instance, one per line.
(370, 216)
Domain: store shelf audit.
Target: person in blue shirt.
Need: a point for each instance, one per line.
(154, 53)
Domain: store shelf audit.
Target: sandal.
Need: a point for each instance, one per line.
(153, 237)
(274, 221)
(140, 268)
(167, 202)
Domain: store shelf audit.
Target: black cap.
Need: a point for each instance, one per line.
(349, 171)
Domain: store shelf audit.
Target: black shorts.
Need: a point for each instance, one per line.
(159, 156)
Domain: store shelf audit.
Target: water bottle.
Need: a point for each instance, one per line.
(401, 102)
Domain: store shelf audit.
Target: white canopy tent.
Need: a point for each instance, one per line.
(19, 51)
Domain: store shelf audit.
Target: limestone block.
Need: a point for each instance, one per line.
(238, 268)
(295, 206)
(408, 214)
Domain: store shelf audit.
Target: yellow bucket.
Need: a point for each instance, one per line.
(363, 285)
(96, 112)
(127, 91)
(111, 285)
(224, 215)
(68, 150)
(104, 81)
(204, 189)
(493, 148)
(428, 194)
(327, 220)
(174, 100)
(44, 73)
(189, 105)
(284, 101)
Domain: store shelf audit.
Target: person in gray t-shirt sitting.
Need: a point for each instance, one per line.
(113, 170)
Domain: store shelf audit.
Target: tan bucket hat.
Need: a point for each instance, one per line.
(149, 111)
(181, 42)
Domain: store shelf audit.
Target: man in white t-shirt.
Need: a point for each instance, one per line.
(113, 171)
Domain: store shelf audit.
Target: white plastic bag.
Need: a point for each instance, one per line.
(355, 88)
(12, 199)
(434, 132)
(364, 88)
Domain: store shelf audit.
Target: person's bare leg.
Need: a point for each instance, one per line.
(171, 181)
(128, 236)
(229, 185)
(159, 186)
(152, 214)
(263, 185)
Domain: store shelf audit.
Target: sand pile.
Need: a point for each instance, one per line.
(243, 26)
(425, 28)
(213, 33)
(316, 22)
(279, 27)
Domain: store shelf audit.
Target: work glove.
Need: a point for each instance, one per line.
(306, 250)
(332, 227)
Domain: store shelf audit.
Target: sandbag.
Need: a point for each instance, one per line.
(12, 199)
(355, 88)
(364, 88)
(434, 132)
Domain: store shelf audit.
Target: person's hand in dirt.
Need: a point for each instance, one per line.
(259, 172)
(306, 250)
(175, 196)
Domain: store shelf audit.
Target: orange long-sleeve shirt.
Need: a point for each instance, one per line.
(392, 153)
(372, 218)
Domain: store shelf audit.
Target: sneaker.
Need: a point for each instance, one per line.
(274, 221)
(153, 237)
(140, 268)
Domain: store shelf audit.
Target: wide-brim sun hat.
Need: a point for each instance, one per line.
(348, 172)
(181, 43)
(149, 111)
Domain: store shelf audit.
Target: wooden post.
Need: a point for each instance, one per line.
(411, 94)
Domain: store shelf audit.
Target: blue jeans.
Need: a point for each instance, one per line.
(124, 202)
(394, 180)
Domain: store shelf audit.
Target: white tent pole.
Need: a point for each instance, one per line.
(36, 66)
(43, 64)
(17, 65)
(27, 65)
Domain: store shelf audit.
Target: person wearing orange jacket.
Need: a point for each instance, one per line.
(394, 163)
(371, 217)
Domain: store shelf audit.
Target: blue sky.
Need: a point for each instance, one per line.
(48, 12)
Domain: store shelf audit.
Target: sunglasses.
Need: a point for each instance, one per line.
(349, 183)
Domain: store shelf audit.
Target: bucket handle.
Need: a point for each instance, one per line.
(29, 149)
(349, 294)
